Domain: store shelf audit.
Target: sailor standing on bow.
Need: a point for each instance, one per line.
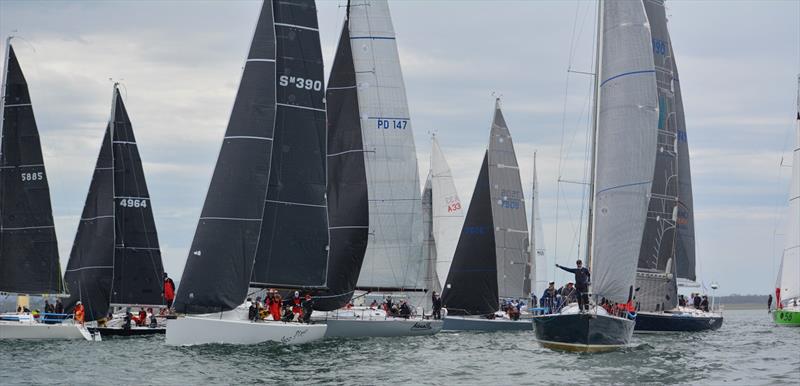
(582, 281)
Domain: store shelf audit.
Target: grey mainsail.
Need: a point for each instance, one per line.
(293, 242)
(429, 242)
(626, 134)
(116, 258)
(28, 247)
(220, 262)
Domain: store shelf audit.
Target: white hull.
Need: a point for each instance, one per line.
(207, 329)
(29, 330)
(374, 323)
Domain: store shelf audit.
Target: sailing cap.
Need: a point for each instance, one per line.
(79, 302)
(296, 293)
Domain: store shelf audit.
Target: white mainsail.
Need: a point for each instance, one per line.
(789, 275)
(448, 214)
(626, 133)
(394, 253)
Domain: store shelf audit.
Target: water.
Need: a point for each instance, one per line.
(748, 349)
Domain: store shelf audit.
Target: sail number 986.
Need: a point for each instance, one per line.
(301, 83)
(133, 203)
(36, 176)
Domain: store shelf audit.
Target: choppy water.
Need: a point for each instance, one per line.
(748, 349)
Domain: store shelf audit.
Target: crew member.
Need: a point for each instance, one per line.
(582, 281)
(437, 306)
(769, 303)
(169, 290)
(308, 308)
(79, 313)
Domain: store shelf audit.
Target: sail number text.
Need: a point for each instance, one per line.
(392, 123)
(133, 203)
(36, 176)
(301, 83)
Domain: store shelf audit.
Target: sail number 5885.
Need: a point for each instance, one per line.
(36, 176)
(133, 203)
(301, 83)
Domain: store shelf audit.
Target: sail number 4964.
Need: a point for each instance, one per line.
(301, 83)
(133, 203)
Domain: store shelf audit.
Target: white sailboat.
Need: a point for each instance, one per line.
(28, 251)
(393, 264)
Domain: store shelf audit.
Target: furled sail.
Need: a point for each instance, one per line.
(508, 211)
(447, 213)
(627, 118)
(789, 274)
(471, 285)
(293, 243)
(393, 259)
(348, 208)
(28, 247)
(116, 258)
(220, 262)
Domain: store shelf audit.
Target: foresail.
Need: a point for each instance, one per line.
(429, 253)
(220, 261)
(348, 208)
(28, 247)
(293, 243)
(447, 212)
(685, 260)
(508, 212)
(627, 117)
(394, 254)
(789, 279)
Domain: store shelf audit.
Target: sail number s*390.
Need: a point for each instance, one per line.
(133, 203)
(301, 83)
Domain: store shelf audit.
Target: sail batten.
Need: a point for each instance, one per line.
(29, 261)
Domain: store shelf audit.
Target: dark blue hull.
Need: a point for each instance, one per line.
(666, 322)
(583, 332)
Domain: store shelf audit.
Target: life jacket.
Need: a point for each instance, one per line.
(79, 313)
(169, 289)
(297, 306)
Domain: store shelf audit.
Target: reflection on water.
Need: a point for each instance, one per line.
(748, 349)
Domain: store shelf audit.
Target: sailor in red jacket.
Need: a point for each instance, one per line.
(169, 290)
(297, 307)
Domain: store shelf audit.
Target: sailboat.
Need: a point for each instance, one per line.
(264, 222)
(667, 254)
(491, 261)
(115, 259)
(787, 288)
(28, 248)
(624, 138)
(367, 81)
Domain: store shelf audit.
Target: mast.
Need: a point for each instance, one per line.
(595, 112)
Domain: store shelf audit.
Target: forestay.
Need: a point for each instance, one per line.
(394, 254)
(627, 115)
(28, 247)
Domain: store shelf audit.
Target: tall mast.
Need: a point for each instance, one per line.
(595, 113)
(111, 136)
(3, 90)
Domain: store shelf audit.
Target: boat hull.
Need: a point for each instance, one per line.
(353, 328)
(134, 331)
(586, 332)
(475, 323)
(34, 331)
(197, 330)
(664, 322)
(786, 317)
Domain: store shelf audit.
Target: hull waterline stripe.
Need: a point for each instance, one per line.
(626, 74)
(247, 137)
(300, 107)
(294, 203)
(296, 26)
(91, 267)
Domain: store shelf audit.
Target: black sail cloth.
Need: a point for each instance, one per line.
(116, 258)
(28, 248)
(348, 208)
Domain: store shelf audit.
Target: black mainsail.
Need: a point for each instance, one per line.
(28, 248)
(293, 244)
(116, 258)
(348, 208)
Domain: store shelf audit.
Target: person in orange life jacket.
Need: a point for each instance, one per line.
(141, 319)
(275, 305)
(582, 281)
(169, 290)
(79, 312)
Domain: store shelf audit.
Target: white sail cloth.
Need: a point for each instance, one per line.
(448, 213)
(394, 252)
(627, 117)
(789, 275)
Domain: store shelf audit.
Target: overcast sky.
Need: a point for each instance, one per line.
(181, 62)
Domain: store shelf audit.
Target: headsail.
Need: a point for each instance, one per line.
(627, 117)
(393, 259)
(348, 208)
(28, 247)
(537, 249)
(116, 257)
(447, 213)
(293, 243)
(429, 253)
(789, 274)
(220, 262)
(508, 211)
